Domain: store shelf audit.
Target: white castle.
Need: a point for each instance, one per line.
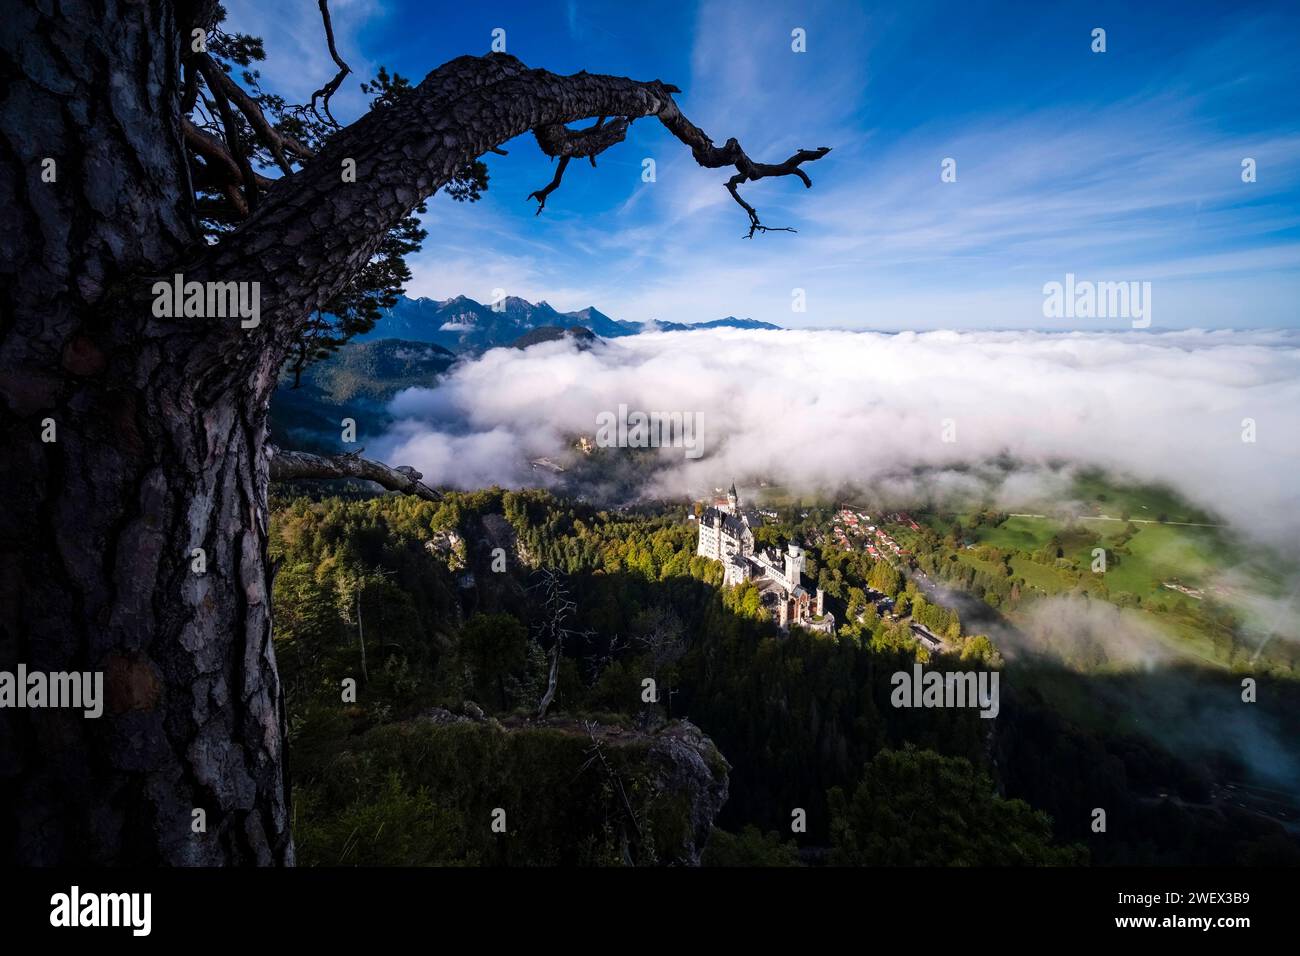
(727, 535)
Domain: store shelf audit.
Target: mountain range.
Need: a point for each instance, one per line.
(415, 343)
(465, 326)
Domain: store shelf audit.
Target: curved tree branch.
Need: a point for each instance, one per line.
(558, 140)
(730, 154)
(211, 72)
(313, 232)
(222, 166)
(288, 465)
(276, 142)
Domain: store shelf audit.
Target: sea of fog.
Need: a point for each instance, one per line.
(1215, 415)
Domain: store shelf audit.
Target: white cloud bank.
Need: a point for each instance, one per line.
(822, 409)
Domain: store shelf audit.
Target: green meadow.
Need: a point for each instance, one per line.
(1151, 539)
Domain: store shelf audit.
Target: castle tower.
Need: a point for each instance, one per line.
(793, 565)
(733, 499)
(821, 597)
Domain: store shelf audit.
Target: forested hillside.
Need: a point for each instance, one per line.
(356, 381)
(458, 619)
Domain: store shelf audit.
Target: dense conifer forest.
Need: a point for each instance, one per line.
(453, 618)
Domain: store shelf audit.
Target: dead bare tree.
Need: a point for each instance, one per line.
(134, 438)
(662, 635)
(557, 610)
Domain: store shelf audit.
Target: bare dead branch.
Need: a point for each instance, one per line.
(730, 154)
(559, 141)
(330, 88)
(557, 608)
(541, 194)
(552, 681)
(287, 465)
(465, 108)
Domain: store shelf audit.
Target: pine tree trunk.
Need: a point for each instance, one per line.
(98, 526)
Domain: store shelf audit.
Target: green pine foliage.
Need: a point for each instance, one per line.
(919, 808)
(750, 847)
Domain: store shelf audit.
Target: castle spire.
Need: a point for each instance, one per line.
(733, 499)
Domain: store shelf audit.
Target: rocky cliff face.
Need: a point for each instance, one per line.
(685, 761)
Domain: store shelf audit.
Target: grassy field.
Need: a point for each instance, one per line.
(1142, 555)
(1019, 534)
(1191, 556)
(1040, 576)
(1157, 553)
(1102, 495)
(775, 496)
(1045, 579)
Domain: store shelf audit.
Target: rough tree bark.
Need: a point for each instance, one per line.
(160, 423)
(98, 525)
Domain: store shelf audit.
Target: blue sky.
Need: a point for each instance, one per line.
(1115, 166)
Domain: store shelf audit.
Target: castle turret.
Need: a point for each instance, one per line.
(821, 598)
(733, 499)
(793, 564)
